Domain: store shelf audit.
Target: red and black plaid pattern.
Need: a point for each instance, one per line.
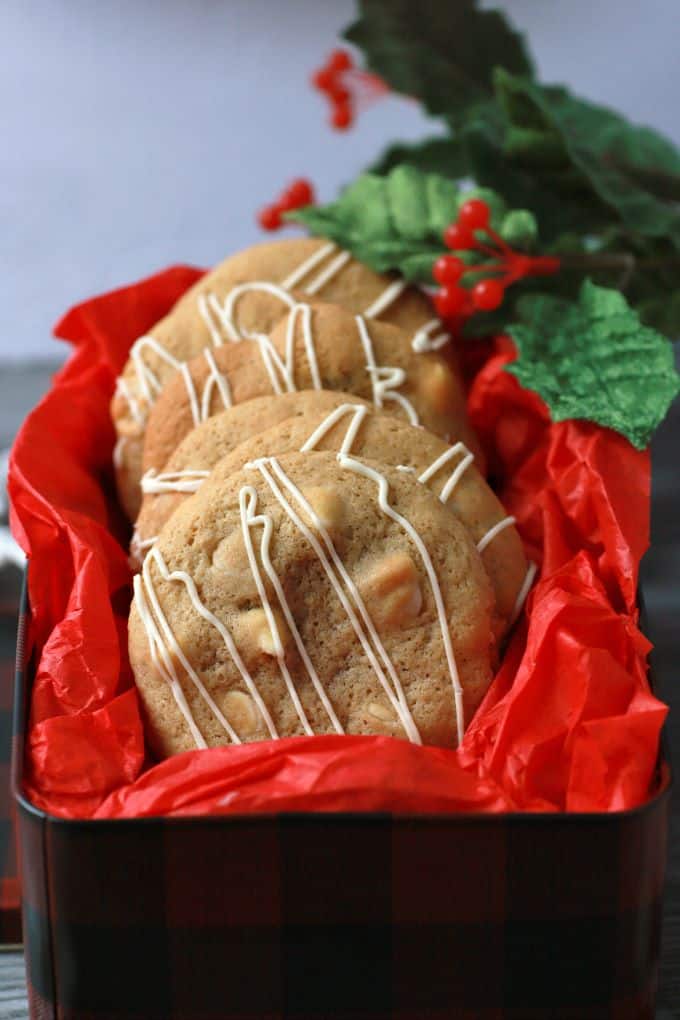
(10, 893)
(350, 917)
(365, 917)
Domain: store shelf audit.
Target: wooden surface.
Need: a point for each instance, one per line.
(21, 387)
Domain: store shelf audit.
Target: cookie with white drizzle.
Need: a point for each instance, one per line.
(303, 595)
(202, 319)
(194, 458)
(318, 346)
(356, 428)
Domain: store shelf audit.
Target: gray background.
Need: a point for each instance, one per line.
(136, 133)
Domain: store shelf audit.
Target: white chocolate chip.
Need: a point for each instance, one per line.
(242, 712)
(230, 556)
(254, 634)
(380, 712)
(327, 504)
(392, 590)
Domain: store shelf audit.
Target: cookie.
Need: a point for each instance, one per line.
(311, 594)
(250, 291)
(317, 346)
(205, 445)
(357, 429)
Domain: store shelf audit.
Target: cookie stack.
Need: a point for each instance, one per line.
(317, 551)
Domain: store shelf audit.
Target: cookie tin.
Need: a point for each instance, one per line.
(362, 916)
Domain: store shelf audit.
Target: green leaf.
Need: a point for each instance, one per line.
(558, 209)
(440, 53)
(443, 156)
(390, 222)
(594, 359)
(632, 171)
(395, 222)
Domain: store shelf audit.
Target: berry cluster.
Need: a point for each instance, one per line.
(454, 301)
(331, 81)
(298, 194)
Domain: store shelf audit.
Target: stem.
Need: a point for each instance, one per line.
(624, 261)
(485, 267)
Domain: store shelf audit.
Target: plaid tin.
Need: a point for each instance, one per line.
(10, 893)
(364, 916)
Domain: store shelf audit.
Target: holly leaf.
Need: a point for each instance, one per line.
(561, 205)
(443, 156)
(391, 222)
(443, 54)
(629, 170)
(396, 221)
(594, 359)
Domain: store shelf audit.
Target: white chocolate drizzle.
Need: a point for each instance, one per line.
(387, 298)
(173, 481)
(523, 592)
(123, 390)
(219, 321)
(384, 379)
(359, 412)
(327, 274)
(305, 268)
(118, 450)
(138, 545)
(331, 562)
(358, 467)
(147, 380)
(457, 472)
(304, 313)
(423, 340)
(162, 639)
(249, 519)
(163, 644)
(215, 379)
(206, 309)
(492, 532)
(162, 660)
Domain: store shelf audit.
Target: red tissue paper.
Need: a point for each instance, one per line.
(568, 724)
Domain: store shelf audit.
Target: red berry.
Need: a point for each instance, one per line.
(458, 238)
(342, 116)
(269, 218)
(338, 93)
(448, 269)
(286, 202)
(449, 301)
(323, 79)
(340, 60)
(487, 295)
(300, 192)
(474, 214)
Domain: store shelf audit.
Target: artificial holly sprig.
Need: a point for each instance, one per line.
(507, 267)
(590, 358)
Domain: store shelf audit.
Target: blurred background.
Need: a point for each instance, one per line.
(142, 133)
(145, 132)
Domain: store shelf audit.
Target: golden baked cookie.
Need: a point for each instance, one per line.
(358, 429)
(311, 594)
(250, 291)
(200, 450)
(317, 346)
